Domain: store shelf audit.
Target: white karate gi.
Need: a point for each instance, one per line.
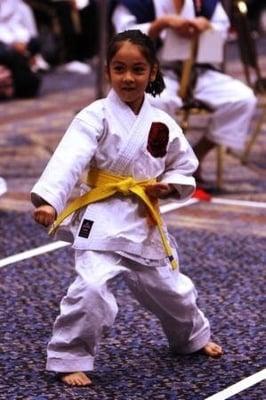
(17, 22)
(233, 101)
(107, 135)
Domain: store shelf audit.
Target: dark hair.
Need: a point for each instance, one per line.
(138, 38)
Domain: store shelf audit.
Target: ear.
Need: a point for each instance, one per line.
(153, 73)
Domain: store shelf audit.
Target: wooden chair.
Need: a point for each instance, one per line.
(192, 107)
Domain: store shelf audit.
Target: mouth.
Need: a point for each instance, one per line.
(128, 89)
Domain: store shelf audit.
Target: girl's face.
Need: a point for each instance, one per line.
(129, 74)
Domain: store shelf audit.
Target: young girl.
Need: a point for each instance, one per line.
(135, 154)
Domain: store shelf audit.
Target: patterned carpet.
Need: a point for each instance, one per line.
(134, 361)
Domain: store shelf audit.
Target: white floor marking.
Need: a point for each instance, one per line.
(57, 245)
(239, 386)
(32, 253)
(243, 203)
(164, 209)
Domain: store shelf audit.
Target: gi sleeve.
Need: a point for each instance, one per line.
(220, 21)
(181, 162)
(123, 20)
(67, 164)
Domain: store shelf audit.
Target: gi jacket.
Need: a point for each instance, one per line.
(107, 135)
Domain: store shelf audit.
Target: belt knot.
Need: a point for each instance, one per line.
(104, 185)
(125, 185)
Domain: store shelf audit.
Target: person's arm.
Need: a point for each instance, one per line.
(44, 214)
(188, 28)
(220, 21)
(161, 190)
(180, 164)
(122, 20)
(68, 162)
(178, 24)
(200, 24)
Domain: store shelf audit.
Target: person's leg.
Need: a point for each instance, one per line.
(234, 104)
(88, 309)
(26, 83)
(68, 31)
(171, 296)
(6, 87)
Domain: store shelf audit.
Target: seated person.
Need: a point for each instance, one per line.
(19, 47)
(19, 31)
(233, 102)
(78, 25)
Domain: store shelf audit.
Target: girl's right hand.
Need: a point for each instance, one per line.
(44, 215)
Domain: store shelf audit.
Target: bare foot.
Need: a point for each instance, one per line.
(76, 379)
(212, 349)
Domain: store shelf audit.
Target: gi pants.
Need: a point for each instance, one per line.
(89, 308)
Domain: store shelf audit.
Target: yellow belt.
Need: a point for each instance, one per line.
(105, 185)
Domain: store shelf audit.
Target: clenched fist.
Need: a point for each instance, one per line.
(44, 215)
(160, 190)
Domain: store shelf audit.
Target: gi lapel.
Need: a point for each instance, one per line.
(133, 128)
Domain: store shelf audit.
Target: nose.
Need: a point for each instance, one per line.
(128, 77)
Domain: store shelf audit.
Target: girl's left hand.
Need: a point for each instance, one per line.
(160, 190)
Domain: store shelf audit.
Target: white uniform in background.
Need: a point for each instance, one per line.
(233, 101)
(17, 22)
(107, 135)
(3, 186)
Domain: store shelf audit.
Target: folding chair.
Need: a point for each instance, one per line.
(193, 106)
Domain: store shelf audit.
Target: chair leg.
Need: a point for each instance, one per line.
(184, 121)
(250, 143)
(219, 171)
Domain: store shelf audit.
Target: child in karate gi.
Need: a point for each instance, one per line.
(135, 154)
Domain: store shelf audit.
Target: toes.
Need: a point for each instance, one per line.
(76, 379)
(212, 350)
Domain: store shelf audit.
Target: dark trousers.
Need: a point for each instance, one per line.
(26, 82)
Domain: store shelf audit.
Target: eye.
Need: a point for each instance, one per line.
(118, 68)
(139, 70)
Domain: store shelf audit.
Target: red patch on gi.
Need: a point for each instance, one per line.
(158, 139)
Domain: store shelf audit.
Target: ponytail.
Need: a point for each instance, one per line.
(157, 86)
